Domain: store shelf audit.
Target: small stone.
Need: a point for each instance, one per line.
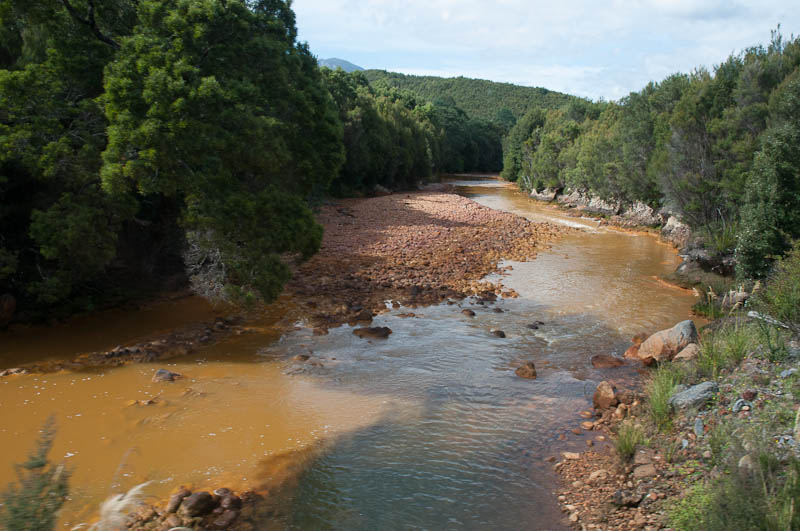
(528, 370)
(574, 517)
(740, 405)
(577, 484)
(226, 519)
(197, 504)
(176, 499)
(589, 442)
(598, 474)
(644, 471)
(468, 312)
(587, 425)
(376, 332)
(788, 372)
(570, 455)
(498, 333)
(301, 357)
(586, 414)
(604, 396)
(163, 375)
(699, 427)
(707, 454)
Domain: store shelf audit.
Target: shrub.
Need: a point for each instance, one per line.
(629, 437)
(726, 348)
(659, 390)
(32, 504)
(780, 297)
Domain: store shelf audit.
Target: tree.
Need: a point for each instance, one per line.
(214, 103)
(771, 212)
(33, 503)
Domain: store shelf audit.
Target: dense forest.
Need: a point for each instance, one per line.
(146, 139)
(147, 142)
(501, 103)
(720, 148)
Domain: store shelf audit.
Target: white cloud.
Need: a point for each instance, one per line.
(596, 49)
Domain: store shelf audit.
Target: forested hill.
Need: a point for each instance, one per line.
(479, 98)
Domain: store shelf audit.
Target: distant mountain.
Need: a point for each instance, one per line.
(333, 63)
(479, 98)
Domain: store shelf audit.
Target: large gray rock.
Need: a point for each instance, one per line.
(548, 194)
(676, 232)
(695, 396)
(664, 345)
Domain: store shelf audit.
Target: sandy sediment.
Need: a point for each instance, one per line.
(409, 248)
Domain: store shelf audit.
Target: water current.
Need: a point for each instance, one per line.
(430, 429)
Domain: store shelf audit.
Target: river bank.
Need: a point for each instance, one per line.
(433, 412)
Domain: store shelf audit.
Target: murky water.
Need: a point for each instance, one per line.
(429, 429)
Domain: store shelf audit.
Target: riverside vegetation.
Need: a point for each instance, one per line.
(713, 440)
(147, 143)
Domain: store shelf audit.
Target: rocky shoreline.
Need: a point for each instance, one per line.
(604, 490)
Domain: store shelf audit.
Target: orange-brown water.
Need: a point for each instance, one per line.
(428, 429)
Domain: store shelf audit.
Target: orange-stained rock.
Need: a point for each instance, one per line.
(691, 352)
(526, 371)
(632, 352)
(605, 396)
(606, 361)
(664, 345)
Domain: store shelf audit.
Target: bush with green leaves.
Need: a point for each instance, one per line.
(780, 297)
(659, 390)
(32, 504)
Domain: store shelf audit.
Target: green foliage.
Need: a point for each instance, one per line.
(763, 500)
(214, 103)
(629, 437)
(480, 99)
(698, 144)
(780, 297)
(659, 390)
(32, 504)
(726, 348)
(771, 214)
(690, 512)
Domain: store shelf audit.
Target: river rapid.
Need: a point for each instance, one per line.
(429, 429)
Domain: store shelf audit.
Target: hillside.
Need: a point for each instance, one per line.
(479, 98)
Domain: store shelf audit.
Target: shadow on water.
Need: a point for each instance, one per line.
(470, 450)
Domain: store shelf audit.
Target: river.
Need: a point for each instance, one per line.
(430, 429)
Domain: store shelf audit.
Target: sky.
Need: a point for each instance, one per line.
(595, 49)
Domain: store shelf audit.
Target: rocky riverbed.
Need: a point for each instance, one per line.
(411, 249)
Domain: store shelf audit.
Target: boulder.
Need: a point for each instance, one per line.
(197, 504)
(548, 194)
(694, 397)
(176, 499)
(664, 345)
(163, 375)
(526, 371)
(676, 232)
(691, 352)
(8, 305)
(605, 396)
(606, 361)
(642, 214)
(376, 332)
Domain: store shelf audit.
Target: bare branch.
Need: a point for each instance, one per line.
(90, 22)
